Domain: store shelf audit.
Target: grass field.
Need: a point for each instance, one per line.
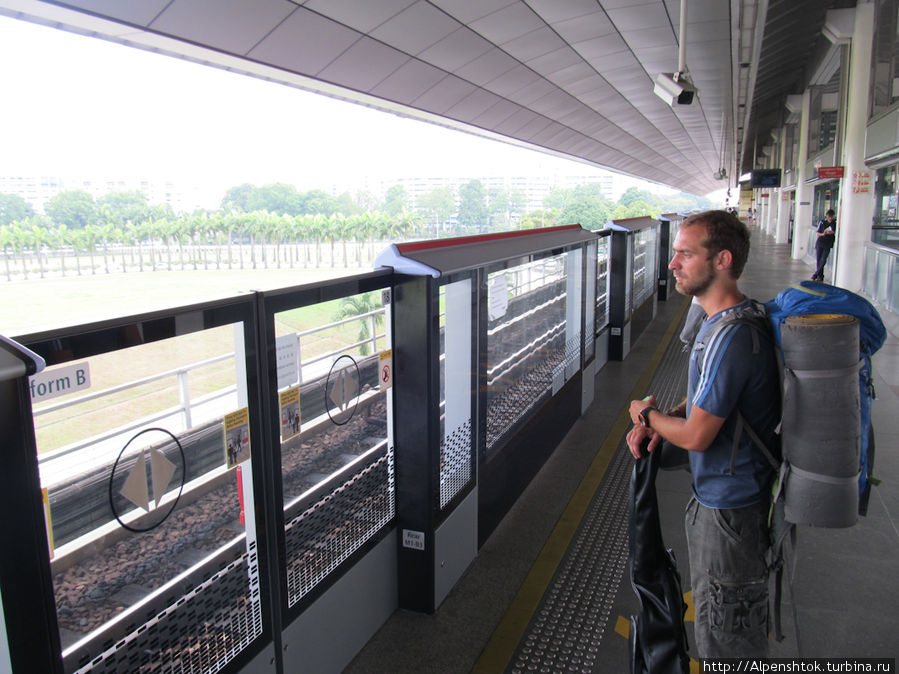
(38, 304)
(27, 307)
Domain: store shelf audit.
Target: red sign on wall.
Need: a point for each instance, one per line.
(830, 172)
(861, 181)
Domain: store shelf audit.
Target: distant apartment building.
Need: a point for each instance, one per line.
(37, 190)
(533, 188)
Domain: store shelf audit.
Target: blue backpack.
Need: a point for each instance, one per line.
(812, 297)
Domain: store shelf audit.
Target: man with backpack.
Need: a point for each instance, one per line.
(826, 232)
(733, 383)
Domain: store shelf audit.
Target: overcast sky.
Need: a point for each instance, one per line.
(79, 106)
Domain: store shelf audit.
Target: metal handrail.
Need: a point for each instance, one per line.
(881, 248)
(129, 385)
(186, 404)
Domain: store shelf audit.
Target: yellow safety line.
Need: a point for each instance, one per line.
(508, 634)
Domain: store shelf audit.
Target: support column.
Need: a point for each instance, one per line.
(782, 224)
(804, 191)
(765, 200)
(856, 208)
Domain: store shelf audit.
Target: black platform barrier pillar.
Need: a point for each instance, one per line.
(28, 611)
(620, 291)
(634, 282)
(434, 466)
(669, 226)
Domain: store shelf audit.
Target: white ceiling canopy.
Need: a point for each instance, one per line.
(571, 77)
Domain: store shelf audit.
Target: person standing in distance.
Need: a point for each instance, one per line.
(726, 518)
(826, 232)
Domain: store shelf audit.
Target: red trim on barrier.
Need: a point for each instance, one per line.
(480, 238)
(240, 495)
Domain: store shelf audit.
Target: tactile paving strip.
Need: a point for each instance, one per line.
(575, 613)
(566, 632)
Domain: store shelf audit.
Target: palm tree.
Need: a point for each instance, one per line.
(78, 238)
(59, 239)
(106, 232)
(358, 305)
(319, 231)
(91, 235)
(6, 242)
(38, 237)
(133, 235)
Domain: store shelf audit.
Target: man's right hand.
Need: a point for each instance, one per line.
(637, 435)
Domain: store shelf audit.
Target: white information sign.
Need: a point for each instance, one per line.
(59, 382)
(413, 539)
(497, 297)
(286, 359)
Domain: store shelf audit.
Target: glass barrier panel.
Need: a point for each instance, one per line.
(602, 282)
(146, 467)
(333, 379)
(883, 277)
(640, 268)
(526, 341)
(456, 331)
(870, 271)
(893, 275)
(590, 307)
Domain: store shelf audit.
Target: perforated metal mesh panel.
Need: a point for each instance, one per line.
(602, 283)
(510, 406)
(200, 633)
(455, 463)
(328, 532)
(572, 358)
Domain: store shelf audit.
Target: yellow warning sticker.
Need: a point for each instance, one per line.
(290, 413)
(237, 437)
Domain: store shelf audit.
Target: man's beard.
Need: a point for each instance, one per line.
(696, 287)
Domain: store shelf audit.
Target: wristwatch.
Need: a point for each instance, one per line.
(644, 415)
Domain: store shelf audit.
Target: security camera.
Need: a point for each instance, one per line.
(674, 88)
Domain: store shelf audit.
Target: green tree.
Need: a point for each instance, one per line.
(120, 208)
(536, 219)
(73, 208)
(345, 204)
(440, 204)
(472, 204)
(632, 194)
(505, 203)
(318, 201)
(238, 198)
(364, 202)
(639, 209)
(277, 198)
(557, 198)
(588, 190)
(591, 212)
(13, 207)
(395, 200)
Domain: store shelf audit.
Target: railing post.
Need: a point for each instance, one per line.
(299, 360)
(184, 397)
(373, 332)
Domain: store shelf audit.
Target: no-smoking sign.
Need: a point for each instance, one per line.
(385, 369)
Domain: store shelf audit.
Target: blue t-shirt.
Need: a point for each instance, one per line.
(733, 377)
